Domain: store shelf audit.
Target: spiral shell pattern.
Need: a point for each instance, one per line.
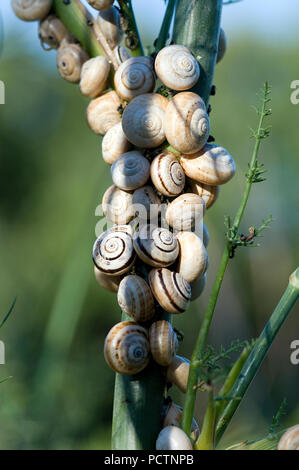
(184, 212)
(143, 120)
(130, 171)
(167, 174)
(290, 439)
(102, 113)
(113, 251)
(31, 10)
(126, 348)
(134, 77)
(135, 298)
(163, 342)
(156, 246)
(177, 68)
(117, 205)
(70, 59)
(170, 289)
(120, 54)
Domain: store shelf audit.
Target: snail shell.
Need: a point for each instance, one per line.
(177, 68)
(94, 75)
(185, 211)
(102, 113)
(146, 203)
(173, 438)
(198, 286)
(31, 10)
(178, 372)
(117, 205)
(52, 32)
(211, 165)
(113, 251)
(120, 54)
(163, 342)
(110, 283)
(222, 45)
(193, 257)
(174, 418)
(187, 124)
(290, 439)
(134, 77)
(114, 144)
(167, 174)
(208, 193)
(126, 348)
(143, 120)
(130, 171)
(135, 298)
(101, 4)
(170, 289)
(70, 59)
(156, 246)
(109, 23)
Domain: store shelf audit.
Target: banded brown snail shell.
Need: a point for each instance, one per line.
(117, 205)
(184, 212)
(178, 372)
(156, 246)
(130, 171)
(109, 283)
(102, 113)
(134, 77)
(135, 298)
(170, 289)
(146, 203)
(167, 174)
(163, 342)
(193, 257)
(126, 348)
(197, 287)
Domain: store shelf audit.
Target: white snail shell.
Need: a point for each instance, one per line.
(170, 289)
(177, 68)
(187, 124)
(126, 348)
(206, 191)
(167, 174)
(52, 32)
(222, 45)
(94, 75)
(211, 165)
(114, 144)
(31, 10)
(173, 417)
(290, 439)
(134, 77)
(163, 342)
(113, 251)
(156, 246)
(146, 203)
(135, 298)
(173, 438)
(120, 54)
(117, 205)
(185, 211)
(109, 23)
(178, 372)
(70, 59)
(143, 120)
(109, 283)
(102, 113)
(130, 171)
(101, 4)
(197, 287)
(193, 257)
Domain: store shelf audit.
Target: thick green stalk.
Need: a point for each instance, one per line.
(133, 39)
(197, 26)
(259, 351)
(165, 27)
(206, 437)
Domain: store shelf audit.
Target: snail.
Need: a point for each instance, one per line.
(206, 191)
(101, 4)
(203, 233)
(134, 77)
(102, 113)
(222, 45)
(117, 205)
(113, 251)
(198, 286)
(156, 246)
(70, 59)
(126, 348)
(178, 372)
(130, 171)
(177, 68)
(170, 289)
(167, 174)
(143, 120)
(173, 438)
(114, 144)
(94, 75)
(173, 417)
(110, 283)
(109, 23)
(211, 165)
(52, 32)
(290, 439)
(163, 342)
(187, 124)
(31, 10)
(193, 257)
(135, 298)
(146, 203)
(185, 211)
(120, 54)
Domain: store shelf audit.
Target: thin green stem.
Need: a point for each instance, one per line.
(206, 437)
(267, 443)
(133, 39)
(165, 27)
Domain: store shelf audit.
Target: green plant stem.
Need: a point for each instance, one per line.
(206, 437)
(259, 351)
(165, 27)
(267, 443)
(132, 32)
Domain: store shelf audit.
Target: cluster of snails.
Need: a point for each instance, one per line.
(160, 157)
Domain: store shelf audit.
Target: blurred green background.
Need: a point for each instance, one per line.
(52, 178)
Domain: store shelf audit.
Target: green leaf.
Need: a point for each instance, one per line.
(8, 313)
